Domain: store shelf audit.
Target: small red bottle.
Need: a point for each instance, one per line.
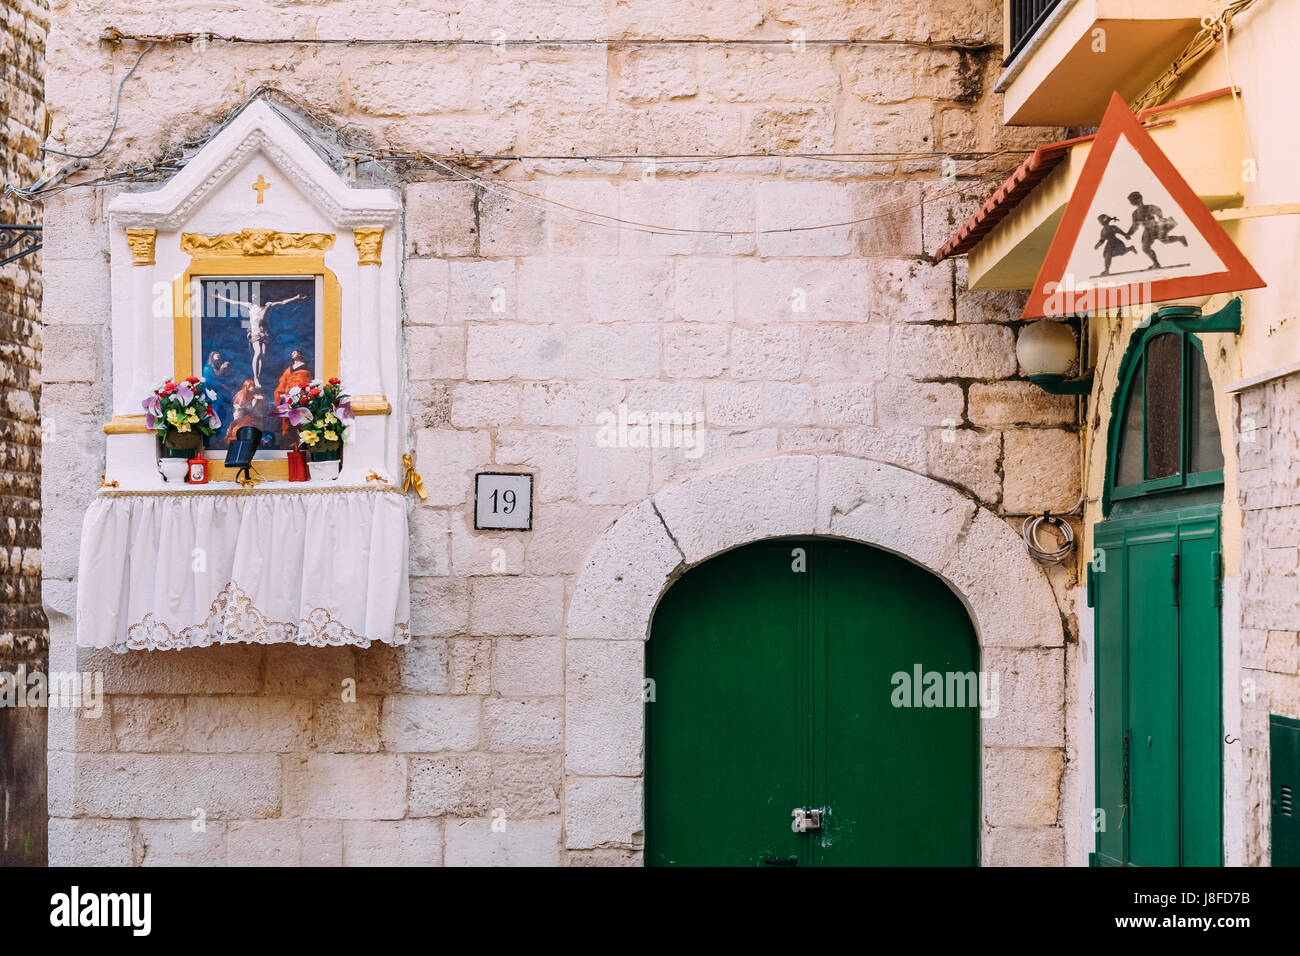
(297, 465)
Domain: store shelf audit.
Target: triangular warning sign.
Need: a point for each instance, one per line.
(1133, 232)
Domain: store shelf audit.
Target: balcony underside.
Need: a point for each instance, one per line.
(1065, 74)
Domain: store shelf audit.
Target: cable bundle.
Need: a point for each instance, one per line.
(1029, 532)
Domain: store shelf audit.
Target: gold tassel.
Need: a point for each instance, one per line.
(376, 476)
(412, 477)
(106, 484)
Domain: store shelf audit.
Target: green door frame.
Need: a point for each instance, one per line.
(1149, 506)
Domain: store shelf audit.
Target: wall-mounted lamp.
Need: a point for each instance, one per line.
(1046, 350)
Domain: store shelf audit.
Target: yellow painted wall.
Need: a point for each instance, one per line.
(1262, 53)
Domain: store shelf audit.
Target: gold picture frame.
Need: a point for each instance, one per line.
(251, 253)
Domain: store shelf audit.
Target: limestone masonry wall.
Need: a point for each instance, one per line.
(524, 322)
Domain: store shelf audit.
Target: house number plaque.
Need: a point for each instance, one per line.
(503, 501)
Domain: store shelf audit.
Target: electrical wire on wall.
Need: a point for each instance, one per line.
(54, 183)
(117, 113)
(533, 200)
(448, 164)
(796, 40)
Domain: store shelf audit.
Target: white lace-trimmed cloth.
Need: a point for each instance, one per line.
(178, 569)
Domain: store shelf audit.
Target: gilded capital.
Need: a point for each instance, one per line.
(141, 242)
(369, 240)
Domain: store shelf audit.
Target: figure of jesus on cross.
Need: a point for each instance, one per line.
(258, 333)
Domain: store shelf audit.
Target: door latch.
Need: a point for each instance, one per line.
(805, 820)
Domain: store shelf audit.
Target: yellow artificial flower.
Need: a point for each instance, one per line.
(308, 437)
(331, 435)
(330, 419)
(173, 417)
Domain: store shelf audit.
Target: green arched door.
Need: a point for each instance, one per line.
(1155, 579)
(811, 674)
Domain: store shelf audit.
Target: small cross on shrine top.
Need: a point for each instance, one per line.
(261, 186)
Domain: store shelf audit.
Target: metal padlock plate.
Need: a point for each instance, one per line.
(805, 820)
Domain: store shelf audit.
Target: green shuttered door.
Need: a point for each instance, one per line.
(1158, 690)
(773, 669)
(1284, 771)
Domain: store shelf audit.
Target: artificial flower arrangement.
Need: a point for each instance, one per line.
(182, 414)
(322, 415)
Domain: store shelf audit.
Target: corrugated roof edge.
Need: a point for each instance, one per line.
(1036, 167)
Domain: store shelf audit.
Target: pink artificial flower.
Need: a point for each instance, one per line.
(185, 392)
(296, 416)
(152, 411)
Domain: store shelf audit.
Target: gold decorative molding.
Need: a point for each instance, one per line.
(371, 405)
(265, 469)
(235, 264)
(142, 243)
(190, 491)
(369, 240)
(256, 242)
(126, 425)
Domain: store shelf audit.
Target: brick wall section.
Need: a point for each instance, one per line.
(1268, 455)
(22, 623)
(522, 325)
(23, 635)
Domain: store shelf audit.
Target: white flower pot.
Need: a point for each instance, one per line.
(325, 470)
(173, 469)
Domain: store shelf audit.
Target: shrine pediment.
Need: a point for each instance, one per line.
(259, 130)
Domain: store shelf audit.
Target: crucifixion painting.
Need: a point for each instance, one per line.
(258, 333)
(258, 327)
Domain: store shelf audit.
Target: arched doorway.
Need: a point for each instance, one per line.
(640, 557)
(811, 673)
(1156, 584)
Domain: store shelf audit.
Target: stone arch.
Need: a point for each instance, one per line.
(1010, 600)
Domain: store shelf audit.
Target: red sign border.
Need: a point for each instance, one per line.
(1120, 121)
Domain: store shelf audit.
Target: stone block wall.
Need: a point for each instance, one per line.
(23, 637)
(530, 318)
(1268, 457)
